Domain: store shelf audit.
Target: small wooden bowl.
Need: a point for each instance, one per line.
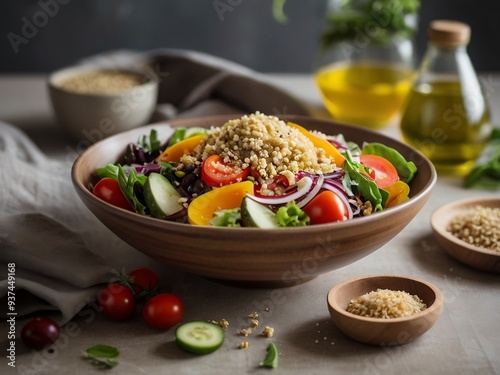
(474, 256)
(384, 332)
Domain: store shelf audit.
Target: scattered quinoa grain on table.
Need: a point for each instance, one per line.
(386, 304)
(480, 227)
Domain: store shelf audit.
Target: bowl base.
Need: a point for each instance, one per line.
(263, 284)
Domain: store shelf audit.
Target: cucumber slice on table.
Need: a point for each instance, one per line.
(161, 197)
(254, 214)
(199, 337)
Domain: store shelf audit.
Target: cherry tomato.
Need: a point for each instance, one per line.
(163, 311)
(117, 302)
(143, 279)
(216, 173)
(326, 207)
(382, 171)
(109, 191)
(40, 332)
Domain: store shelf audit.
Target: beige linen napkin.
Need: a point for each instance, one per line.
(41, 227)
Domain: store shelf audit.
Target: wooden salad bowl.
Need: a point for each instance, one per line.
(252, 256)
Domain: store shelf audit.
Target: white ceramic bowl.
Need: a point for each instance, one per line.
(92, 117)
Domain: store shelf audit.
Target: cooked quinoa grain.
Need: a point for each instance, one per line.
(481, 227)
(268, 331)
(386, 304)
(265, 143)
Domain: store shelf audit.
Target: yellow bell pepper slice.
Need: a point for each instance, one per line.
(177, 150)
(398, 193)
(330, 149)
(201, 210)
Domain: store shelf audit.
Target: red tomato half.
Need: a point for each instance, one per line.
(109, 191)
(216, 173)
(383, 172)
(326, 207)
(163, 311)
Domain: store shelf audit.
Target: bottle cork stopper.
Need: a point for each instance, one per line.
(449, 34)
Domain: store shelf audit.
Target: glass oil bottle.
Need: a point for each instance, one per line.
(446, 115)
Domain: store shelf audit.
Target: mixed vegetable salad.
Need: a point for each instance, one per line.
(152, 180)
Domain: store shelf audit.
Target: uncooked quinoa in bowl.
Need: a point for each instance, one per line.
(384, 309)
(92, 103)
(469, 231)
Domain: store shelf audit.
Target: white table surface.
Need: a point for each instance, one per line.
(465, 340)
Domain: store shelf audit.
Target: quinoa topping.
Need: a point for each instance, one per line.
(481, 227)
(386, 304)
(265, 143)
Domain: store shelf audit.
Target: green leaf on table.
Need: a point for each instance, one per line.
(101, 350)
(486, 173)
(272, 356)
(102, 356)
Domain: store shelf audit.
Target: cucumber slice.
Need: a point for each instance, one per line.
(161, 197)
(254, 214)
(199, 337)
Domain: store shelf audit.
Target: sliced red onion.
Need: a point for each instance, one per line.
(311, 194)
(339, 146)
(177, 215)
(303, 187)
(337, 184)
(340, 193)
(335, 175)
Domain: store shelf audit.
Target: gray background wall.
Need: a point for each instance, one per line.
(245, 33)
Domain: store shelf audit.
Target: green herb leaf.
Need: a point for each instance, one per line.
(278, 12)
(354, 17)
(360, 184)
(486, 173)
(104, 351)
(102, 356)
(291, 216)
(127, 185)
(227, 218)
(272, 356)
(150, 144)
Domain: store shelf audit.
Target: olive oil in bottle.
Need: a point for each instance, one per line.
(446, 115)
